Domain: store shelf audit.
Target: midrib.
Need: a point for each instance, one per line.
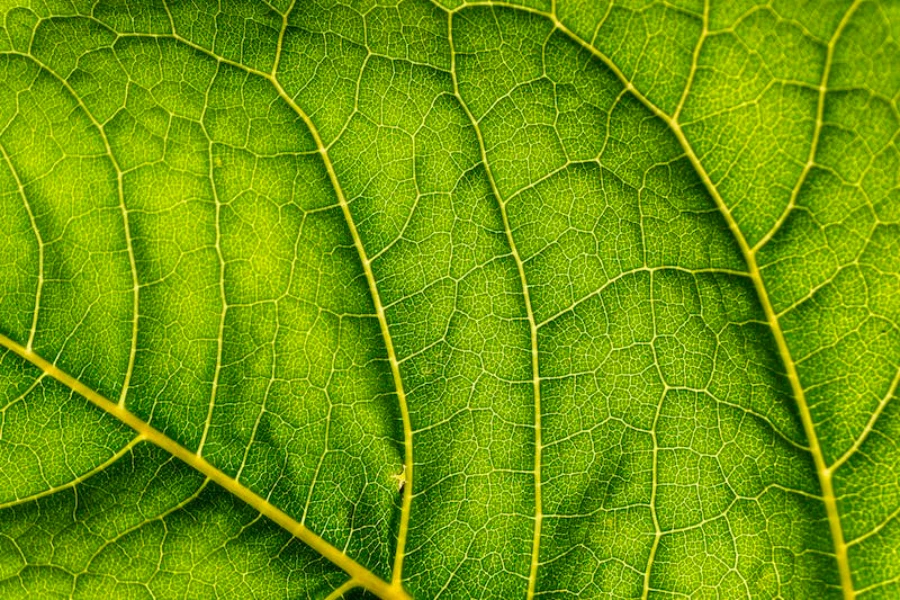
(360, 574)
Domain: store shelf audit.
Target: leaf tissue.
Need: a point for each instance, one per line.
(444, 299)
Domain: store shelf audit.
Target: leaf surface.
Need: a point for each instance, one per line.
(436, 299)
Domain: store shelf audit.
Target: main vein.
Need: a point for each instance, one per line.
(363, 576)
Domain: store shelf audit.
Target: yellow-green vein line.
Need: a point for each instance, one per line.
(823, 473)
(870, 424)
(817, 130)
(532, 324)
(220, 257)
(695, 58)
(363, 576)
(406, 505)
(654, 467)
(40, 244)
(129, 246)
(339, 592)
(76, 480)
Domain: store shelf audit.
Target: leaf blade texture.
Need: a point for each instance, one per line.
(443, 299)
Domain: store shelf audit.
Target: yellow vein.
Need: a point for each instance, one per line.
(279, 47)
(126, 383)
(822, 471)
(654, 490)
(220, 336)
(40, 243)
(874, 530)
(343, 589)
(159, 518)
(654, 467)
(404, 410)
(817, 130)
(406, 504)
(364, 577)
(532, 323)
(695, 57)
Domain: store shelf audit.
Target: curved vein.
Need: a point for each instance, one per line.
(532, 323)
(75, 481)
(395, 589)
(823, 472)
(220, 335)
(132, 354)
(40, 243)
(817, 130)
(406, 505)
(340, 591)
(870, 424)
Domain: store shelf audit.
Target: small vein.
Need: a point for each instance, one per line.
(76, 480)
(32, 332)
(400, 553)
(220, 336)
(870, 425)
(817, 130)
(340, 591)
(123, 209)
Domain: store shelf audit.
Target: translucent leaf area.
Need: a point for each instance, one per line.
(464, 300)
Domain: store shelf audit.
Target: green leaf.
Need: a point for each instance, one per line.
(444, 299)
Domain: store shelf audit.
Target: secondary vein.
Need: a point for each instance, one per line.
(40, 244)
(406, 505)
(532, 325)
(823, 472)
(129, 246)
